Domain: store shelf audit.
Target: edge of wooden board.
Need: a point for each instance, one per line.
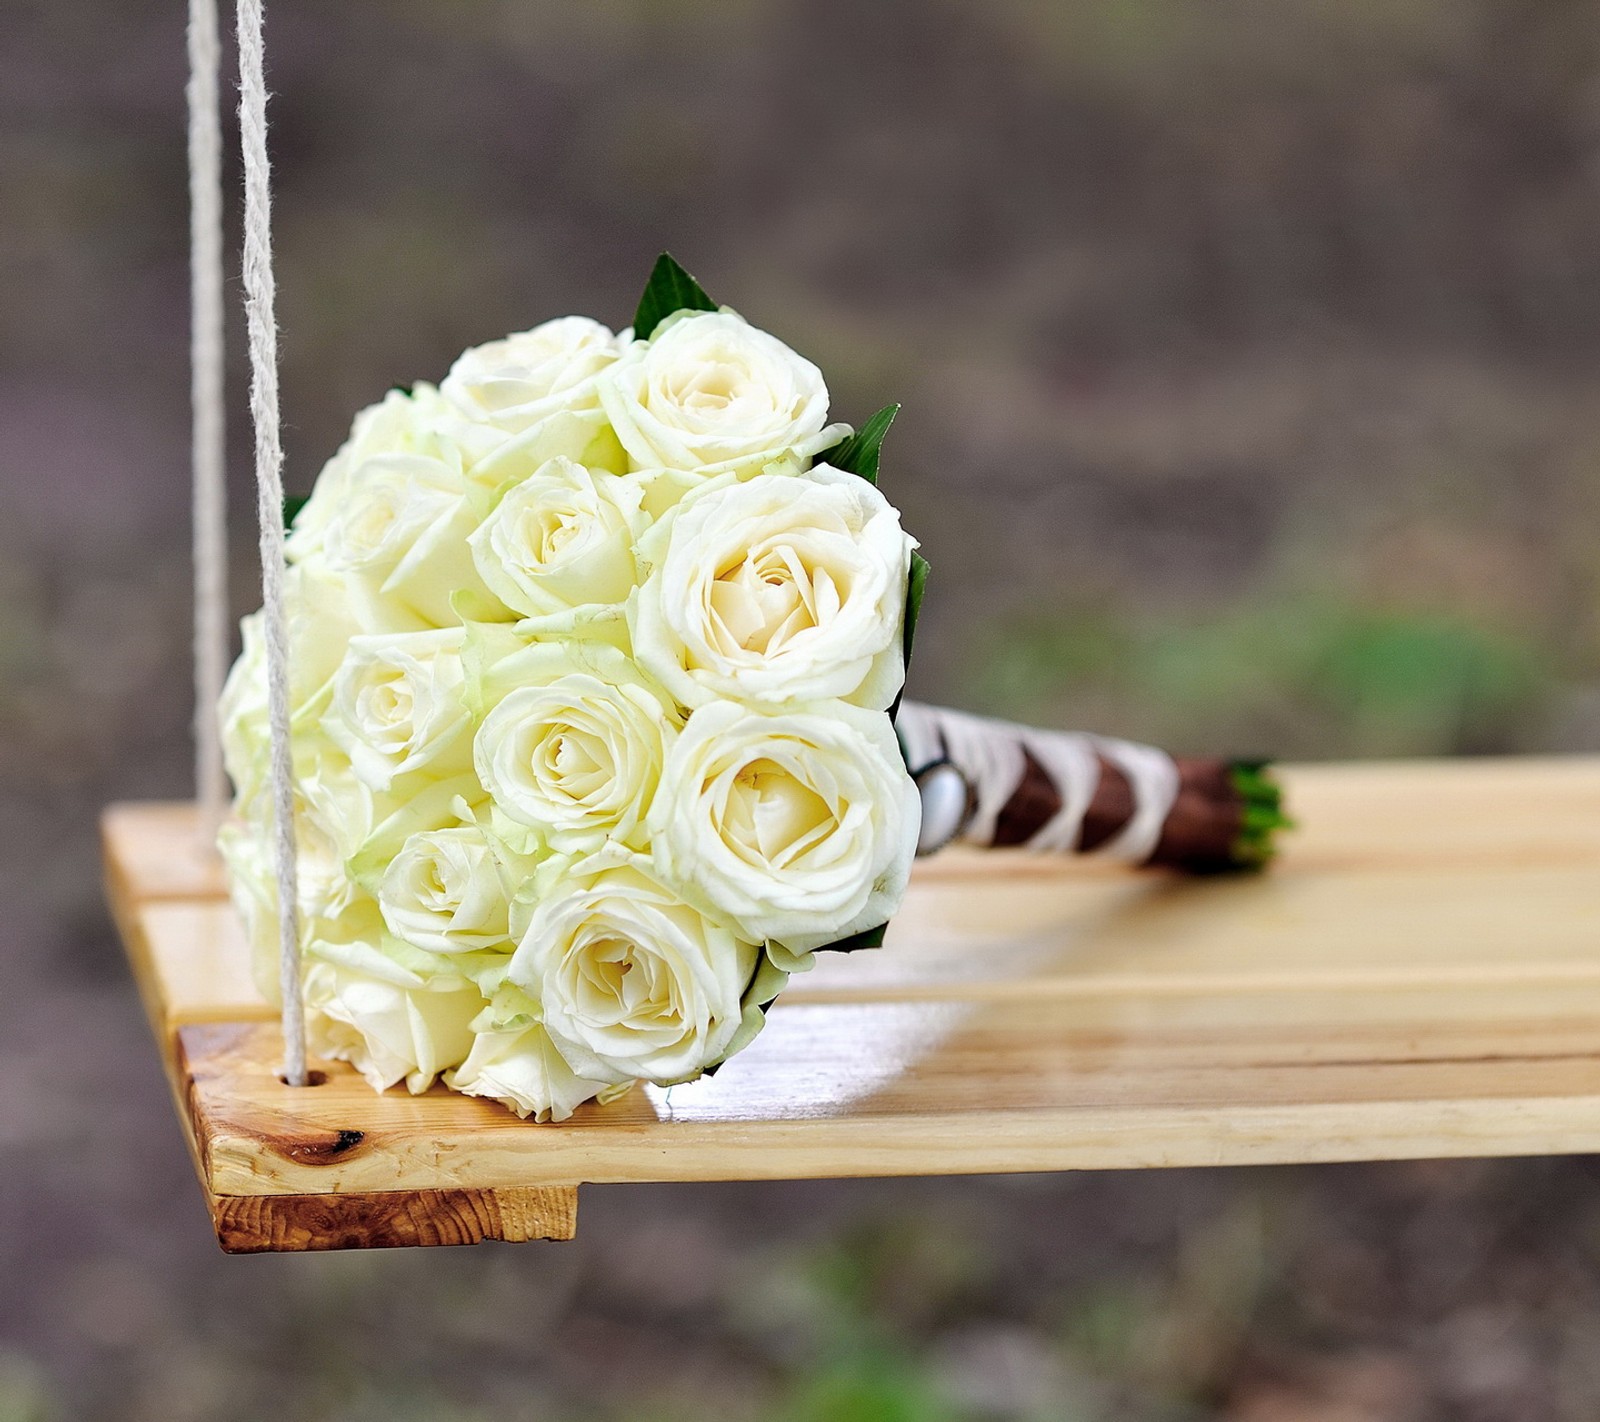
(395, 1219)
(254, 1141)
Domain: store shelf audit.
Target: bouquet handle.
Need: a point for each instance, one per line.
(996, 784)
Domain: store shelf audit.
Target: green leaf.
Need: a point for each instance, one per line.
(867, 938)
(292, 504)
(669, 291)
(859, 453)
(916, 585)
(1262, 815)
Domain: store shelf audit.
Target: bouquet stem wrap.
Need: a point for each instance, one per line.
(995, 784)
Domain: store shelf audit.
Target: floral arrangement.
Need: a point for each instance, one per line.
(594, 651)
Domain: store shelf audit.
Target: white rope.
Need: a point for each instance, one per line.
(206, 357)
(989, 755)
(260, 301)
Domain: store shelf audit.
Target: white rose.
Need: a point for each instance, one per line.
(515, 383)
(561, 538)
(253, 889)
(242, 713)
(709, 390)
(798, 828)
(397, 706)
(574, 748)
(425, 805)
(634, 983)
(778, 589)
(321, 618)
(388, 1022)
(400, 423)
(443, 892)
(333, 817)
(320, 627)
(522, 1069)
(399, 536)
(583, 436)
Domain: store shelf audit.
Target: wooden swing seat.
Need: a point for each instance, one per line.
(1418, 976)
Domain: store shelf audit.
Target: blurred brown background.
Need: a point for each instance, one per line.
(1249, 354)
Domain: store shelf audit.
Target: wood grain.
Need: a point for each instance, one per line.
(1419, 976)
(255, 1224)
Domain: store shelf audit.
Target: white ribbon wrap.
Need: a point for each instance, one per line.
(991, 757)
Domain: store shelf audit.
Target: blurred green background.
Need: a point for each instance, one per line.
(1249, 355)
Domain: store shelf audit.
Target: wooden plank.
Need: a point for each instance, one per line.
(162, 850)
(1297, 923)
(1419, 976)
(255, 1224)
(196, 953)
(929, 1088)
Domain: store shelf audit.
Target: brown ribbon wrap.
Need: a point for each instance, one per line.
(1069, 792)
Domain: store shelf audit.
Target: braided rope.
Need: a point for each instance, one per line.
(209, 453)
(260, 302)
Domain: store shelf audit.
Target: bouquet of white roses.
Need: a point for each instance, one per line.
(593, 653)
